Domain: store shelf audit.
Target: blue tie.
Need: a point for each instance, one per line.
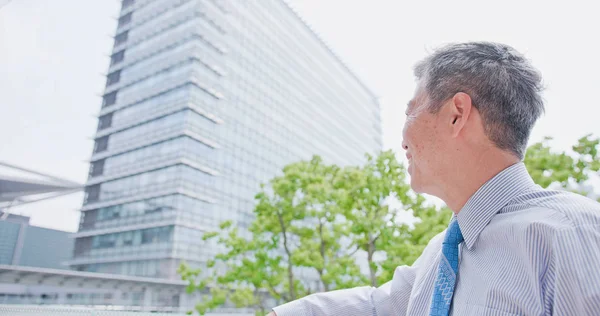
(447, 271)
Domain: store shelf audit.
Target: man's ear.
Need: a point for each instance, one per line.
(460, 110)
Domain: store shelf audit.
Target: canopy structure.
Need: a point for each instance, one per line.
(31, 187)
(54, 277)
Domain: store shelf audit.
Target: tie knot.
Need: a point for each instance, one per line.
(453, 234)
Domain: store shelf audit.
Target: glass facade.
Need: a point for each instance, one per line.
(206, 100)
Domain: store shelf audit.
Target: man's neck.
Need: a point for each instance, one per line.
(473, 173)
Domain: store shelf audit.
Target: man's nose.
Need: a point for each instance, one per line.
(404, 145)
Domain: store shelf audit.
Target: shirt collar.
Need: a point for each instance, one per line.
(490, 199)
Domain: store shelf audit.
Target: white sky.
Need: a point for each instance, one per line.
(53, 55)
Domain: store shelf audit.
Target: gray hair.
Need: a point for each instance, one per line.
(503, 86)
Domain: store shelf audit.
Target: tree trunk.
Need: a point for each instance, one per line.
(260, 302)
(371, 269)
(322, 252)
(292, 288)
(370, 252)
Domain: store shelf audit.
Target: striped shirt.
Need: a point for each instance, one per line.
(526, 251)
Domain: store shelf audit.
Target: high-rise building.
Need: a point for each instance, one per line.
(205, 100)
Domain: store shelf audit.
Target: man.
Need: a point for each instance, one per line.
(511, 248)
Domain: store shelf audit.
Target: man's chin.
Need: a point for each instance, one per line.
(414, 185)
(422, 188)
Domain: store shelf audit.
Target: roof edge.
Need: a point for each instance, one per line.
(360, 81)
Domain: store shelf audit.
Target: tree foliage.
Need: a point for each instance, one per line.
(569, 171)
(377, 192)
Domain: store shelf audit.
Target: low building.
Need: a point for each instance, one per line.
(32, 271)
(22, 244)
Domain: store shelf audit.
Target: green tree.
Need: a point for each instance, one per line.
(319, 191)
(547, 166)
(243, 274)
(297, 224)
(376, 192)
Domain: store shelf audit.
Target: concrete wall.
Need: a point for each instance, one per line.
(25, 245)
(9, 233)
(46, 248)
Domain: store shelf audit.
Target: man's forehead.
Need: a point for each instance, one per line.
(419, 96)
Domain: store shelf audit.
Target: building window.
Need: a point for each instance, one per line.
(97, 168)
(121, 38)
(124, 20)
(113, 77)
(127, 3)
(109, 99)
(117, 57)
(92, 193)
(101, 144)
(82, 245)
(105, 121)
(128, 239)
(104, 241)
(156, 235)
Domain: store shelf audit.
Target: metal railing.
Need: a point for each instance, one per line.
(66, 310)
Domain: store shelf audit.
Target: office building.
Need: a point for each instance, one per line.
(205, 100)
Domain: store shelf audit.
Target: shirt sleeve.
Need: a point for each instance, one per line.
(393, 295)
(576, 269)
